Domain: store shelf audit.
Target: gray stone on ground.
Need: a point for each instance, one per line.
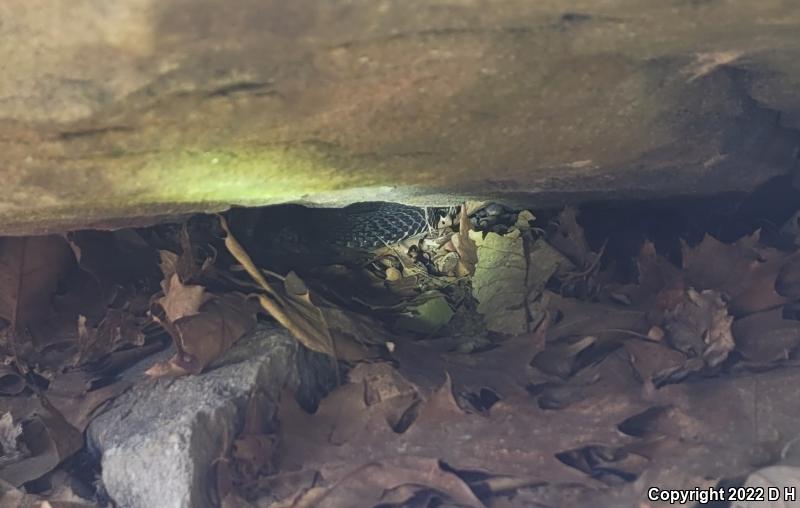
(159, 440)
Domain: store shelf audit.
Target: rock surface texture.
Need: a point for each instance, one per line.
(158, 442)
(139, 108)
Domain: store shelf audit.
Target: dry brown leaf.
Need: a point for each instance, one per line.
(354, 335)
(613, 429)
(284, 489)
(700, 326)
(745, 272)
(291, 305)
(655, 272)
(649, 358)
(350, 334)
(465, 246)
(196, 262)
(766, 337)
(296, 312)
(303, 320)
(561, 359)
(607, 322)
(11, 497)
(513, 438)
(569, 239)
(660, 285)
(168, 264)
(49, 440)
(254, 455)
(504, 370)
(384, 385)
(241, 255)
(713, 264)
(73, 395)
(11, 381)
(610, 374)
(202, 325)
(30, 268)
(119, 328)
(305, 316)
(202, 337)
(370, 484)
(87, 294)
(180, 300)
(253, 451)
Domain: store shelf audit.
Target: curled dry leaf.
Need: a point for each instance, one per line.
(292, 308)
(118, 328)
(309, 318)
(182, 300)
(168, 264)
(303, 319)
(561, 359)
(700, 326)
(203, 336)
(11, 381)
(202, 325)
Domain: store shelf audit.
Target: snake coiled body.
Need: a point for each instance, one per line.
(369, 225)
(363, 226)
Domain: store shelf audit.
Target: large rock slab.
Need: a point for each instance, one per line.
(138, 108)
(158, 441)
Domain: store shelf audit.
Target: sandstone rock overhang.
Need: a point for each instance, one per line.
(121, 112)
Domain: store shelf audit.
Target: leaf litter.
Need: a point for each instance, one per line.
(504, 358)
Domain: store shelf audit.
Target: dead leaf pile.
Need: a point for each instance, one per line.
(598, 397)
(503, 360)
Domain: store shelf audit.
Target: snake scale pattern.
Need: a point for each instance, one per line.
(371, 225)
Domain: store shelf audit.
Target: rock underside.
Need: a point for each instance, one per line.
(123, 112)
